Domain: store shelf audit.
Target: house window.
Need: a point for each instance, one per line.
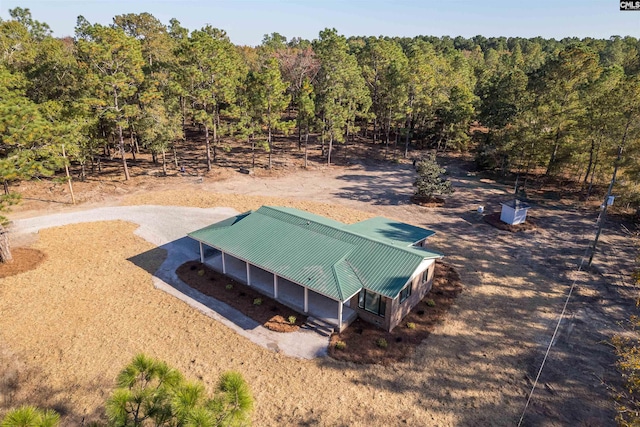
(372, 302)
(425, 276)
(405, 293)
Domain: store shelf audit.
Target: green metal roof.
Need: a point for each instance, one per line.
(389, 231)
(317, 252)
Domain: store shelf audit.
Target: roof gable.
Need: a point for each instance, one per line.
(317, 252)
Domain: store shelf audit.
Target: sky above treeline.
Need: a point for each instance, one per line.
(247, 21)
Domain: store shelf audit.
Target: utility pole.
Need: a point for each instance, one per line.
(603, 212)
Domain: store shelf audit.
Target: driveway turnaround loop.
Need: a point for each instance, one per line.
(166, 227)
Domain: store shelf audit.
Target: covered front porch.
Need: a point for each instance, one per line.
(293, 295)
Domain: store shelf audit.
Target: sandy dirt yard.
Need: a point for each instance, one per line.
(67, 327)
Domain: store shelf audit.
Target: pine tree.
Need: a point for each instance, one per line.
(429, 182)
(271, 100)
(341, 92)
(210, 70)
(29, 416)
(306, 112)
(112, 64)
(150, 392)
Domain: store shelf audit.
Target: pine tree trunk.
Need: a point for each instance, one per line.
(373, 134)
(66, 170)
(216, 133)
(6, 187)
(591, 160)
(133, 145)
(270, 146)
(183, 106)
(5, 250)
(253, 152)
(208, 145)
(330, 147)
(554, 153)
(164, 163)
(406, 139)
(215, 139)
(395, 143)
(324, 124)
(306, 145)
(124, 159)
(387, 131)
(175, 155)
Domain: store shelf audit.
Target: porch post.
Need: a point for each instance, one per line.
(275, 286)
(339, 316)
(248, 274)
(306, 300)
(224, 267)
(201, 253)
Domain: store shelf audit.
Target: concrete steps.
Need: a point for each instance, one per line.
(320, 326)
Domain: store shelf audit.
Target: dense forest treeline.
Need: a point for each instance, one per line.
(567, 107)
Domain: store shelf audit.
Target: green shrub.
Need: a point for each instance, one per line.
(200, 273)
(292, 319)
(430, 303)
(341, 345)
(257, 301)
(411, 325)
(429, 182)
(229, 287)
(382, 343)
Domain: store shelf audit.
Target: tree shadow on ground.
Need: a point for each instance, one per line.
(45, 396)
(387, 187)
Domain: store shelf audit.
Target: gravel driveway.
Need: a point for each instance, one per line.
(166, 227)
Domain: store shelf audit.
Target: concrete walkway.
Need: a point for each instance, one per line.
(166, 227)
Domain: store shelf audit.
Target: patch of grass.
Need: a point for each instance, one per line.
(257, 301)
(292, 319)
(411, 325)
(430, 303)
(341, 345)
(200, 273)
(382, 343)
(229, 287)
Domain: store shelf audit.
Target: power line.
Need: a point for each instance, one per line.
(600, 223)
(553, 337)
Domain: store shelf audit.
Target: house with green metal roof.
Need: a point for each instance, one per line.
(377, 269)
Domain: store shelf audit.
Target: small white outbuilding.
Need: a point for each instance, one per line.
(514, 212)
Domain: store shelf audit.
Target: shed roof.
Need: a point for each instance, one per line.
(516, 204)
(322, 254)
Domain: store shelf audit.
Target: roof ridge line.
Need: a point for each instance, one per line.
(355, 271)
(335, 277)
(345, 231)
